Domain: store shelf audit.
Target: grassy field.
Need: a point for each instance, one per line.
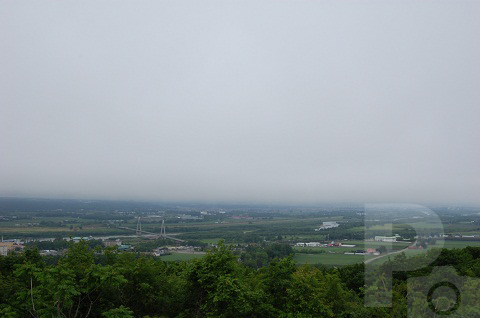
(460, 244)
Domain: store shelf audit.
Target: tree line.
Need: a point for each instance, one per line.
(221, 284)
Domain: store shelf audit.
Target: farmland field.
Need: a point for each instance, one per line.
(460, 244)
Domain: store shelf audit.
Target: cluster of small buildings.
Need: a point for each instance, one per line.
(241, 217)
(160, 251)
(78, 238)
(388, 239)
(415, 247)
(50, 252)
(461, 236)
(117, 243)
(318, 244)
(9, 246)
(189, 217)
(369, 251)
(310, 244)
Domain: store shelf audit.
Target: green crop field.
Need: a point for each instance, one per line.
(459, 244)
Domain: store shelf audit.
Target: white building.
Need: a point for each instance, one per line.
(389, 239)
(4, 250)
(313, 244)
(328, 225)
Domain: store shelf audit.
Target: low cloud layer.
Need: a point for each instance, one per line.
(250, 101)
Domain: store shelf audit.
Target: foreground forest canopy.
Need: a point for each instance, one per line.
(86, 283)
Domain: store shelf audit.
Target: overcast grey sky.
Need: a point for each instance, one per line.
(265, 101)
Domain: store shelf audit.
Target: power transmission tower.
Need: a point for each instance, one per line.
(163, 233)
(139, 226)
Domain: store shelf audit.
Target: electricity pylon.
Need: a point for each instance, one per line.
(139, 226)
(163, 233)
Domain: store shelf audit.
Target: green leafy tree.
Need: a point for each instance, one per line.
(120, 312)
(72, 288)
(307, 293)
(217, 288)
(278, 279)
